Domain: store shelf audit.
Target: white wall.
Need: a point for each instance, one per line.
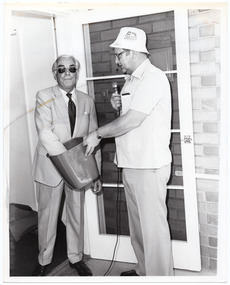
(31, 54)
(20, 152)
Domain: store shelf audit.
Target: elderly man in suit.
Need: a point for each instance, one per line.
(62, 112)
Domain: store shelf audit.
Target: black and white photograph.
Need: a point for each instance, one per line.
(99, 187)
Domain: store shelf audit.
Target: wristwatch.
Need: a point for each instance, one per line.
(98, 135)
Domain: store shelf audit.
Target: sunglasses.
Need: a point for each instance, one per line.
(63, 69)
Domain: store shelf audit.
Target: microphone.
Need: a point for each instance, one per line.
(116, 88)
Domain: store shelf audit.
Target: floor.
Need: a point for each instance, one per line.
(98, 267)
(23, 253)
(104, 268)
(23, 257)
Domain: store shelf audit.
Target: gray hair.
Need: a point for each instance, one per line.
(55, 64)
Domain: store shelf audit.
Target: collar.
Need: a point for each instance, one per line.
(73, 92)
(141, 68)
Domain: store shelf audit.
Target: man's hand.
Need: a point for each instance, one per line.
(91, 141)
(116, 101)
(96, 187)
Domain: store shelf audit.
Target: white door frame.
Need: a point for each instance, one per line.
(186, 254)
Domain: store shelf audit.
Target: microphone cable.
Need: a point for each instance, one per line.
(116, 90)
(118, 217)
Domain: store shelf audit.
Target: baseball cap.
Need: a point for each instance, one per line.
(132, 39)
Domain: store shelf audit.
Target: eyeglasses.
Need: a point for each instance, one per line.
(118, 55)
(72, 69)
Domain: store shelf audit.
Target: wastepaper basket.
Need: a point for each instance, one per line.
(76, 169)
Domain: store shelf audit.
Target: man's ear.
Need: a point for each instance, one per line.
(133, 53)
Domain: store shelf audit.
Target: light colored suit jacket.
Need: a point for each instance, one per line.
(53, 128)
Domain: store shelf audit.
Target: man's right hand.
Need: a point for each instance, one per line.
(116, 101)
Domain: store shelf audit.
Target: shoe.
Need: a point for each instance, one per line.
(129, 273)
(82, 268)
(40, 270)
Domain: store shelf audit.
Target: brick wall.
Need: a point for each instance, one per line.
(204, 34)
(116, 211)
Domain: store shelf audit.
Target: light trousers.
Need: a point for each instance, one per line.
(145, 191)
(49, 200)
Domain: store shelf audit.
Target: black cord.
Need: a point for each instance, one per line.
(117, 222)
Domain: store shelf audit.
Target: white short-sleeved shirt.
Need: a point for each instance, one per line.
(147, 90)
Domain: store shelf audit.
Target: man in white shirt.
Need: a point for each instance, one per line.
(62, 113)
(142, 135)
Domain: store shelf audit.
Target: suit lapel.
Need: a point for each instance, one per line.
(61, 107)
(80, 102)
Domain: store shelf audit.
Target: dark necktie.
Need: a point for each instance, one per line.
(72, 112)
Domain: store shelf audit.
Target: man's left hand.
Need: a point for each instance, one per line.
(96, 187)
(91, 141)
